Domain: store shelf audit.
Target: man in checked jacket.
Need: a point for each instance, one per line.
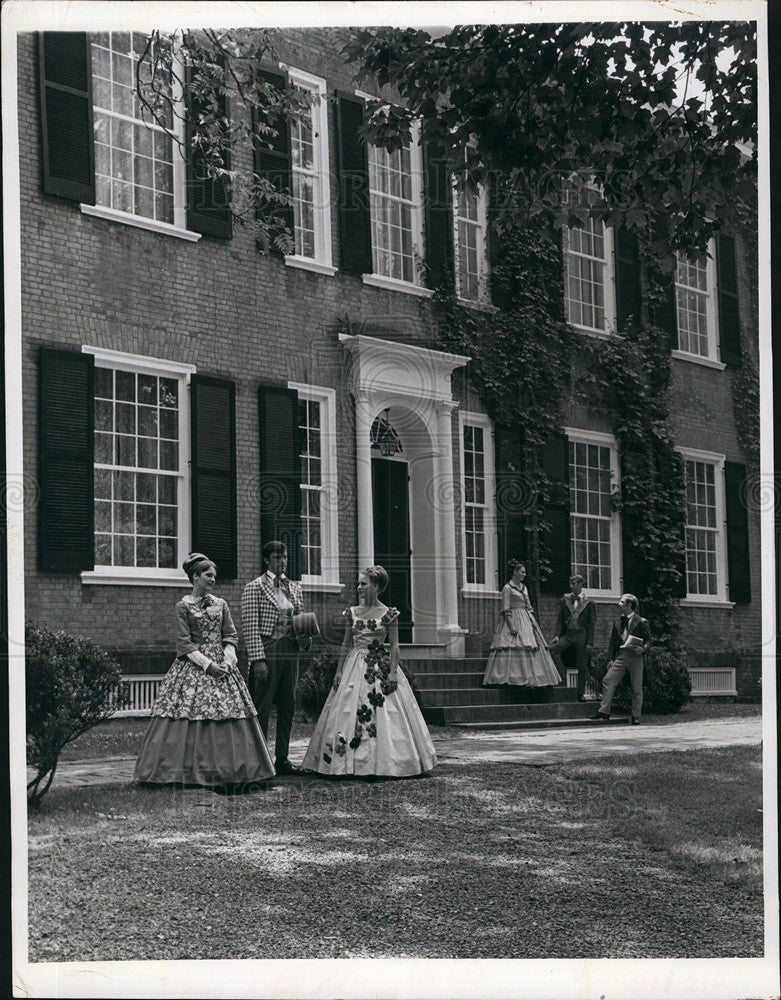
(267, 608)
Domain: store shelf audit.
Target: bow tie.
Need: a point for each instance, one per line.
(281, 581)
(623, 622)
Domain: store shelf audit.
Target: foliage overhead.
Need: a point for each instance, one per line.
(659, 114)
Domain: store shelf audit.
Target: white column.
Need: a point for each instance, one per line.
(447, 567)
(363, 477)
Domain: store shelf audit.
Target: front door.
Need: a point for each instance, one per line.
(390, 496)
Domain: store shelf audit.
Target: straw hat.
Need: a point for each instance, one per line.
(305, 625)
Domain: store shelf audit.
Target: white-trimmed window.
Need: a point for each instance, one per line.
(310, 171)
(396, 207)
(706, 576)
(319, 486)
(469, 239)
(478, 488)
(142, 454)
(139, 169)
(589, 269)
(696, 305)
(595, 529)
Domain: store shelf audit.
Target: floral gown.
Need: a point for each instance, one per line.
(362, 729)
(521, 659)
(204, 730)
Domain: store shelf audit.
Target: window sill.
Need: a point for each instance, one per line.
(394, 285)
(488, 594)
(599, 334)
(314, 587)
(153, 578)
(704, 602)
(114, 215)
(477, 304)
(307, 264)
(696, 359)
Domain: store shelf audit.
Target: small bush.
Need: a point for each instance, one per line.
(72, 685)
(666, 682)
(315, 682)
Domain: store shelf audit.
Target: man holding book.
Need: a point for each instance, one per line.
(629, 642)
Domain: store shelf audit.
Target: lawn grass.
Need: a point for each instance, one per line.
(653, 856)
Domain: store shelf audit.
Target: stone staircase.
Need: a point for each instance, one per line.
(451, 692)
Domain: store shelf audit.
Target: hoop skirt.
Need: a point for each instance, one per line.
(204, 730)
(522, 659)
(363, 730)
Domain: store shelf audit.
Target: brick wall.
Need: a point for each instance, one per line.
(235, 313)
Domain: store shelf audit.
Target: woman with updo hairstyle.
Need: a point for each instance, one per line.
(204, 728)
(519, 654)
(370, 725)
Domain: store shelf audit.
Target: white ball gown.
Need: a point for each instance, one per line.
(521, 659)
(363, 730)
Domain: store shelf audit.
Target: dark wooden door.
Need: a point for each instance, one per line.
(390, 495)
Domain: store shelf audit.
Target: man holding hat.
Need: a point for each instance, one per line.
(575, 630)
(629, 641)
(268, 606)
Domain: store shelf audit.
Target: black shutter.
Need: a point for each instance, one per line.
(66, 506)
(66, 115)
(664, 313)
(729, 317)
(512, 498)
(354, 216)
(501, 285)
(556, 540)
(280, 472)
(273, 156)
(439, 222)
(208, 199)
(213, 472)
(627, 258)
(635, 575)
(738, 573)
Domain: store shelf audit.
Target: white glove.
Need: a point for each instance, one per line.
(199, 659)
(230, 657)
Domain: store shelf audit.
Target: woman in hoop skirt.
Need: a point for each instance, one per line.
(519, 654)
(370, 725)
(204, 728)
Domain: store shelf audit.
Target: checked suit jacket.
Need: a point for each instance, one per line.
(260, 613)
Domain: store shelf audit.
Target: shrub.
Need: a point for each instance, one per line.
(72, 685)
(666, 682)
(315, 682)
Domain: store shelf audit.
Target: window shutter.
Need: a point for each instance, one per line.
(274, 163)
(66, 115)
(354, 215)
(556, 540)
(213, 472)
(665, 313)
(208, 199)
(280, 472)
(627, 258)
(512, 497)
(439, 222)
(66, 507)
(636, 576)
(501, 285)
(729, 317)
(738, 569)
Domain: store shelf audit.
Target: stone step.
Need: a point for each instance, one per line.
(428, 665)
(480, 715)
(431, 680)
(542, 724)
(423, 651)
(456, 695)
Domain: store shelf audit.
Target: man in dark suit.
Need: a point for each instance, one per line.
(629, 642)
(575, 630)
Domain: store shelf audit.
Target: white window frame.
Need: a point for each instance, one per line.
(577, 435)
(416, 286)
(149, 576)
(179, 227)
(609, 277)
(491, 586)
(712, 359)
(322, 262)
(720, 598)
(482, 245)
(328, 581)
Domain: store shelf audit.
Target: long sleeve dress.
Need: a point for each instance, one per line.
(363, 730)
(522, 659)
(204, 730)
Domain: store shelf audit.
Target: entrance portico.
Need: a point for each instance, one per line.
(409, 387)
